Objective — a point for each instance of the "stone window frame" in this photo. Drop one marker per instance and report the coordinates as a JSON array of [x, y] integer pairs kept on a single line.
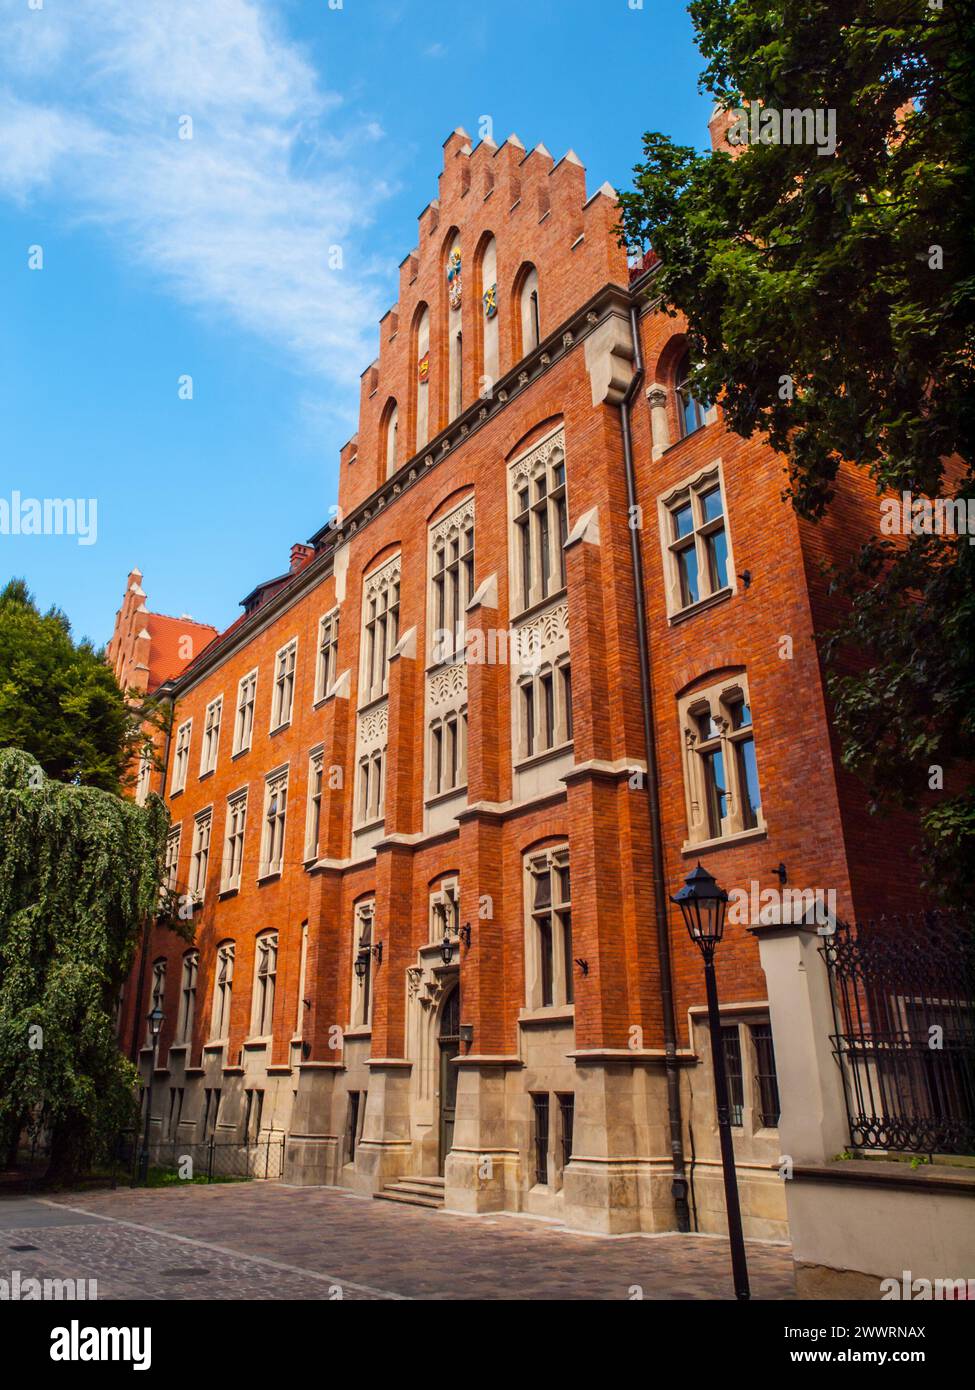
[[390, 438], [244, 712], [235, 830], [444, 912], [181, 756], [302, 982], [363, 993], [157, 992], [189, 978], [371, 788], [200, 853], [380, 620], [223, 987], [313, 811], [326, 653], [264, 987], [275, 785], [529, 308], [533, 701], [210, 743], [144, 775], [746, 1018], [283, 690], [722, 695], [447, 729], [690, 490], [171, 860], [551, 862], [451, 585], [538, 522]]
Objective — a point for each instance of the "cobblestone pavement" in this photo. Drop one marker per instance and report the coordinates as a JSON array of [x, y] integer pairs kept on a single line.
[[265, 1240]]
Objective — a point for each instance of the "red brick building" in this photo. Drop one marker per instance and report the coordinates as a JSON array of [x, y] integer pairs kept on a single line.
[[409, 788]]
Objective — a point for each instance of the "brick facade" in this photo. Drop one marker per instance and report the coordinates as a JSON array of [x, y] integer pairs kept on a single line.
[[599, 1039]]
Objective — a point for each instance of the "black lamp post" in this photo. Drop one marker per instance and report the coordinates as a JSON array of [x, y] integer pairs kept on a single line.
[[703, 905], [155, 1020]]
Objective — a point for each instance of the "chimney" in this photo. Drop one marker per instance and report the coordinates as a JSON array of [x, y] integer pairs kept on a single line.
[[300, 555]]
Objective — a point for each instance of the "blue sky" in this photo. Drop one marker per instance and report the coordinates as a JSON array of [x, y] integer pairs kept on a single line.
[[312, 127]]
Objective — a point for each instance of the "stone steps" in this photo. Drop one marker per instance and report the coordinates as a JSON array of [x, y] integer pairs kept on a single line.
[[414, 1192]]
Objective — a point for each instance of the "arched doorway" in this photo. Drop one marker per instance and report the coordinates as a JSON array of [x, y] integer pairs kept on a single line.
[[448, 1038]]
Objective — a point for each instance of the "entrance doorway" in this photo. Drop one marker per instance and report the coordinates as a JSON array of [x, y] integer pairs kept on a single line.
[[448, 1037]]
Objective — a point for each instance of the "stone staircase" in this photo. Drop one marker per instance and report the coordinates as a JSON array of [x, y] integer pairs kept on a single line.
[[414, 1192]]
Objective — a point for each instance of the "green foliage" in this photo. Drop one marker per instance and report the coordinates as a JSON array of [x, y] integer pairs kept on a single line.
[[820, 320], [58, 699], [79, 872]]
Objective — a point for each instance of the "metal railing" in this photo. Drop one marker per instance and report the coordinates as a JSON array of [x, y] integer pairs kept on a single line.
[[216, 1158], [903, 992]]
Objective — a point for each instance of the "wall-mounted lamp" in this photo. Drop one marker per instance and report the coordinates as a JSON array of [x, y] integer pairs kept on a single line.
[[781, 872], [362, 959], [583, 965], [464, 933], [746, 578], [466, 1032]]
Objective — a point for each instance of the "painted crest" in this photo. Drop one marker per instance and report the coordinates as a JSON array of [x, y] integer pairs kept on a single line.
[[490, 297], [423, 369], [453, 279]]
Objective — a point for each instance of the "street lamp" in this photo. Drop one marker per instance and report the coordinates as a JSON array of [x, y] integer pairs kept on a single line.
[[703, 905], [155, 1021]]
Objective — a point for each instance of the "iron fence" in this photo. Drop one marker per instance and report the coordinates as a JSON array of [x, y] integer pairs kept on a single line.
[[214, 1158], [903, 991]]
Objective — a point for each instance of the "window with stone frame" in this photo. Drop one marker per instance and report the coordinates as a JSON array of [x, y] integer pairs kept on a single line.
[[200, 853], [692, 412], [451, 581], [181, 756], [363, 931], [313, 820], [390, 433], [211, 736], [275, 816], [545, 709], [144, 778], [371, 790], [548, 947], [265, 979], [187, 997], [233, 850], [694, 537], [282, 697], [540, 523], [223, 984], [171, 862], [720, 769], [326, 667], [380, 624], [529, 311], [157, 994], [448, 752], [244, 719]]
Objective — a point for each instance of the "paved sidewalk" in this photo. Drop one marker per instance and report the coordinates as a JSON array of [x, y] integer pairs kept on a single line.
[[269, 1241]]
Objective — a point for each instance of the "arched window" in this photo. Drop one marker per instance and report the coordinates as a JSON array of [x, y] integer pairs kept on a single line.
[[223, 983], [187, 997], [422, 382], [455, 341], [489, 310], [531, 324], [390, 437], [265, 978], [691, 411]]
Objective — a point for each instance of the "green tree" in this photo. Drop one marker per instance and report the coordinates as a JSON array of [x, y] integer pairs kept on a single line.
[[58, 698], [79, 873], [829, 299]]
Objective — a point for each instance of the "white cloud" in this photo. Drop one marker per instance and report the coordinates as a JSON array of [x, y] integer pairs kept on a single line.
[[240, 218]]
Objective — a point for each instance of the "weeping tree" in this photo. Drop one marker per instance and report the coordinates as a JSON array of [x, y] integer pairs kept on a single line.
[[79, 873]]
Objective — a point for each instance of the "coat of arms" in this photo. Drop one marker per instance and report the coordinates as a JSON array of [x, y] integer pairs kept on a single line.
[[453, 279], [490, 297], [423, 369]]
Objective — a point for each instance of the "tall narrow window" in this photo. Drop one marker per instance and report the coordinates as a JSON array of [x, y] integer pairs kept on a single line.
[[316, 775], [200, 856], [157, 994], [380, 630], [233, 854], [421, 384], [284, 684], [766, 1079], [546, 709], [223, 982], [265, 977], [244, 719], [275, 813], [452, 581], [488, 310], [211, 1108], [143, 780], [549, 954], [328, 645], [531, 326], [541, 525], [187, 997], [731, 1042], [390, 434], [692, 410], [211, 736], [171, 864], [362, 959], [181, 756], [566, 1123], [540, 1136], [455, 343]]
